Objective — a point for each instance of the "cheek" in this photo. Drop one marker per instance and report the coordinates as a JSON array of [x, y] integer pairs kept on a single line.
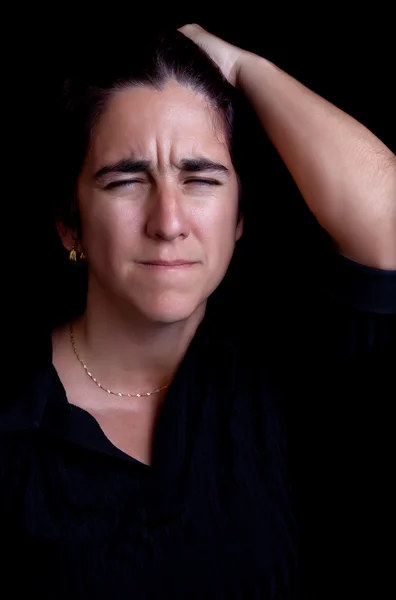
[[216, 229], [112, 226]]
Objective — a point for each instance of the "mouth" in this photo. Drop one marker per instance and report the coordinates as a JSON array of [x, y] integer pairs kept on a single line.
[[165, 264]]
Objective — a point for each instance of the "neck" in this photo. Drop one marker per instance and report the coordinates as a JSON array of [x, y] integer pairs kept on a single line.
[[127, 351]]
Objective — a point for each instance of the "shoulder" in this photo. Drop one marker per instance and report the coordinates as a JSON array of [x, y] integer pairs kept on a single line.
[[22, 411], [364, 288], [21, 408]]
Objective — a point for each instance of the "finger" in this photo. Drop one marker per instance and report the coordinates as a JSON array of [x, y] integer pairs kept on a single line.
[[192, 31]]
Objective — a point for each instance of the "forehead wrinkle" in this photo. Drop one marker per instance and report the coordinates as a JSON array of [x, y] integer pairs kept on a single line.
[[166, 142]]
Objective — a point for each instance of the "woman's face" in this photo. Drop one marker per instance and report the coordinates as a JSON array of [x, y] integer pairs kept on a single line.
[[158, 200]]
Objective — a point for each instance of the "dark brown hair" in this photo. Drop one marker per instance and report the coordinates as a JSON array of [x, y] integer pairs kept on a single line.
[[86, 90]]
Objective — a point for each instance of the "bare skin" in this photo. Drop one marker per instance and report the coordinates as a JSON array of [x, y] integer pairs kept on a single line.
[[129, 423], [346, 175], [140, 318]]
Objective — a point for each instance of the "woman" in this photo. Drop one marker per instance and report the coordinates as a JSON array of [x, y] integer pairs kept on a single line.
[[146, 455]]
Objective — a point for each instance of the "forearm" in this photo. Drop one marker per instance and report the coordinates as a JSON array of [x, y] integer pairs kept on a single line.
[[345, 173]]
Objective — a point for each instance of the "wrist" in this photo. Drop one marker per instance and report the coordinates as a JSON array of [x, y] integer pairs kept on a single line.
[[246, 64]]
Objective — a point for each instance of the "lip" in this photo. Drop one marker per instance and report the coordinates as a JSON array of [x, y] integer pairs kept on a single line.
[[167, 264]]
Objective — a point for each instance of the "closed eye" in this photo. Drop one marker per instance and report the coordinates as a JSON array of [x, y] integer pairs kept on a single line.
[[122, 183], [200, 181], [131, 182]]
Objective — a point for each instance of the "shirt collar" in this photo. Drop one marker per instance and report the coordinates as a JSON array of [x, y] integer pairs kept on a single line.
[[25, 410]]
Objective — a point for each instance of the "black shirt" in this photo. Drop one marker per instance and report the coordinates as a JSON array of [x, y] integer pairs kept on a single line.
[[269, 469]]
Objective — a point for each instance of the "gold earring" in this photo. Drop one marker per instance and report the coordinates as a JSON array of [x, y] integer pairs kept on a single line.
[[73, 254]]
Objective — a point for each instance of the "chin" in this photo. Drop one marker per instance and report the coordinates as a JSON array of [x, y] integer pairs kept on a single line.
[[171, 309]]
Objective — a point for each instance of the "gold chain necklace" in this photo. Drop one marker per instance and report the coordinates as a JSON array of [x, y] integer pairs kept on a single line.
[[99, 384]]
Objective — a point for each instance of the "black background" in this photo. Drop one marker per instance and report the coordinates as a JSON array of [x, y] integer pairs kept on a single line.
[[347, 58]]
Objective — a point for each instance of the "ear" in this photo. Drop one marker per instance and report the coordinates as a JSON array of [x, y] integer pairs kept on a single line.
[[68, 237], [239, 229]]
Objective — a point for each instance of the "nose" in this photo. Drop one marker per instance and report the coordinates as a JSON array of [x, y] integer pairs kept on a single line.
[[168, 217]]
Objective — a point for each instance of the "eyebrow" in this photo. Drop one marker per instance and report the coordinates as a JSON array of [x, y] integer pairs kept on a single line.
[[200, 163], [192, 165]]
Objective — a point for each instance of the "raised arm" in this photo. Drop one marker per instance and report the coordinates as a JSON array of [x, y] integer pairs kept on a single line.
[[345, 173]]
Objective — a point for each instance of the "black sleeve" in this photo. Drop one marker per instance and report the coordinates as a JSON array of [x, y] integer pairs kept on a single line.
[[323, 310], [355, 316], [341, 421], [358, 286]]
